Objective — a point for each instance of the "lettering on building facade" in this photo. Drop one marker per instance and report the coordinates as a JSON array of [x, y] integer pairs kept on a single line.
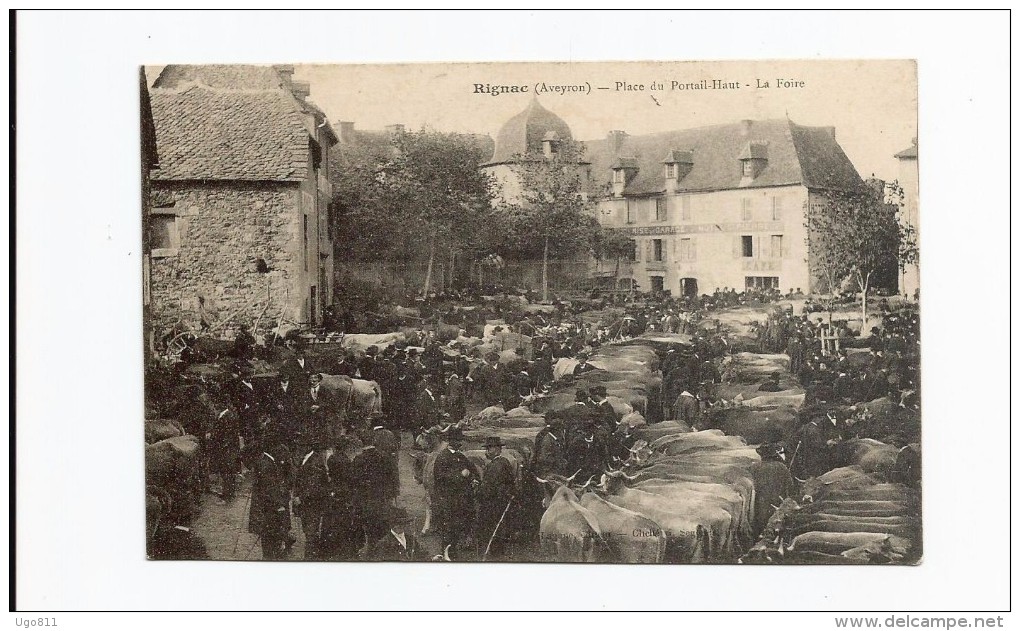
[[742, 226]]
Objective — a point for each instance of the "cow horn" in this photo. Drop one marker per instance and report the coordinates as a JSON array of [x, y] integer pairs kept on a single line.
[[446, 553], [629, 477], [541, 480], [571, 478]]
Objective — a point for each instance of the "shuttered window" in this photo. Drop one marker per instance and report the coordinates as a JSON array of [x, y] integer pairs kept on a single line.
[[747, 246], [777, 208], [686, 250], [745, 209], [685, 208], [660, 209], [777, 246]]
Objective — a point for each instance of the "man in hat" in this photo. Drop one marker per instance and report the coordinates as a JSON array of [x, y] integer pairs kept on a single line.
[[772, 385], [550, 447], [344, 365], [772, 484], [687, 408], [488, 380], [297, 368], [455, 398], [269, 512], [388, 444], [223, 443], [247, 400], [311, 493], [399, 544], [582, 365], [494, 496], [602, 408], [455, 480], [342, 533], [373, 489]]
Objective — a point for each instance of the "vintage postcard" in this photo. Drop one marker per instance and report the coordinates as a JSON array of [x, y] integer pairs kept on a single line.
[[638, 312]]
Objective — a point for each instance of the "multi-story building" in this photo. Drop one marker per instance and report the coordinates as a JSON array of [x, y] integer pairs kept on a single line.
[[720, 206], [711, 207], [910, 276], [239, 225]]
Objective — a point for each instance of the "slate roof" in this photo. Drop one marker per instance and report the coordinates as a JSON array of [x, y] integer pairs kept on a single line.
[[524, 133], [222, 76], [213, 134], [795, 155]]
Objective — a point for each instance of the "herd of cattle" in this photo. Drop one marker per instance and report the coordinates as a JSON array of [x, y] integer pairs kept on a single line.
[[684, 495]]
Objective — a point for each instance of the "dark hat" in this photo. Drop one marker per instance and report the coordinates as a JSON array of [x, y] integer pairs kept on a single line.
[[581, 394], [412, 352], [599, 391], [455, 433], [372, 350], [491, 356], [493, 441], [775, 374]]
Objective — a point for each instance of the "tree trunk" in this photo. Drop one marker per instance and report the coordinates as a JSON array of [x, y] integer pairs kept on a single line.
[[428, 270], [545, 271], [864, 303]]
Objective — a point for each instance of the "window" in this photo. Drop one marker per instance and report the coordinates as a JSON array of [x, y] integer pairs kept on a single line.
[[316, 150], [660, 209], [777, 208], [745, 209], [632, 255], [312, 315], [657, 249], [671, 170], [761, 282], [306, 243], [630, 217], [748, 168], [747, 246], [777, 246], [618, 176], [685, 208], [164, 232], [658, 283], [686, 250]]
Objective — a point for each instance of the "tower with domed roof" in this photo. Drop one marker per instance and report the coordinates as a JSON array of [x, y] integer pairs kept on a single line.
[[533, 134]]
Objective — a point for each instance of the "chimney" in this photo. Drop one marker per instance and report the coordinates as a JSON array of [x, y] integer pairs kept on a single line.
[[745, 127], [286, 72], [394, 130], [346, 129], [616, 138], [301, 89]]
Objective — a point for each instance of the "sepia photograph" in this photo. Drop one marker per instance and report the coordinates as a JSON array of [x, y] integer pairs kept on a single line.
[[606, 312]]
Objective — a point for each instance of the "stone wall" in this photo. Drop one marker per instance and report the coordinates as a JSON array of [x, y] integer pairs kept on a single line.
[[223, 228]]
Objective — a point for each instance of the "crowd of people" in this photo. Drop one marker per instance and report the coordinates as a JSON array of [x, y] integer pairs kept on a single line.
[[342, 480]]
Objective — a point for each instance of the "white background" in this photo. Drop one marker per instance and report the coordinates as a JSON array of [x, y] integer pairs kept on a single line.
[[79, 382]]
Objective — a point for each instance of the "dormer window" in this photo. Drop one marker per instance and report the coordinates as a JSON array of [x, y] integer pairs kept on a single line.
[[753, 160], [551, 144], [671, 170], [619, 177]]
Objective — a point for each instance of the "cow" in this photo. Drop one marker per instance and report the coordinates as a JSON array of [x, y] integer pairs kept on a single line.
[[631, 537], [569, 532], [173, 464], [353, 398]]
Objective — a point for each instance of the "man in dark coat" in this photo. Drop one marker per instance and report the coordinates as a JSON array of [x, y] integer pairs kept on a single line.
[[297, 368], [224, 445], [603, 409], [550, 449], [399, 544], [311, 493], [772, 484], [342, 534], [455, 480], [487, 380], [343, 365], [454, 401], [388, 444], [247, 399], [494, 496], [582, 365], [373, 490], [285, 411], [427, 407], [269, 513]]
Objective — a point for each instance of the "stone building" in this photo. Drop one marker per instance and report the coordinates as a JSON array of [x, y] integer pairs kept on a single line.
[[910, 277], [719, 206], [239, 226]]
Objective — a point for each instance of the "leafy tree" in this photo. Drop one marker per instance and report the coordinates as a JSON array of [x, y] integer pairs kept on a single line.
[[612, 244], [552, 215], [857, 235], [426, 190]]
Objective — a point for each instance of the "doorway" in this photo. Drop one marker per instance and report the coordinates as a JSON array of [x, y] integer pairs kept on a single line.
[[657, 283], [689, 287]]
